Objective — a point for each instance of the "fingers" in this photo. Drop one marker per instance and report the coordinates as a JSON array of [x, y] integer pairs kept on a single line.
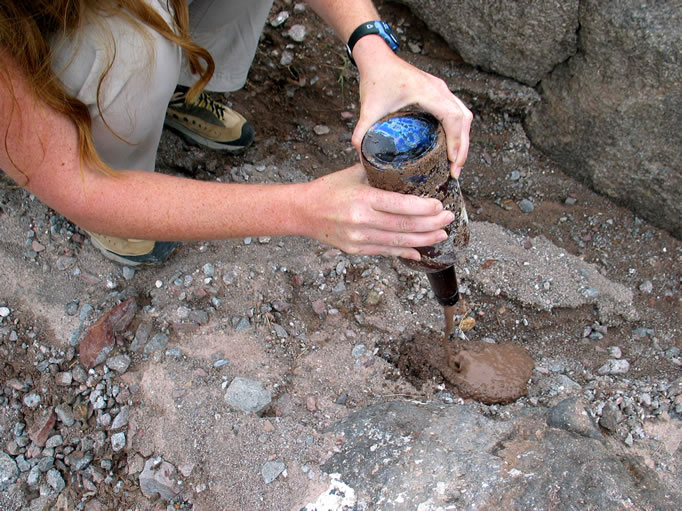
[[399, 204], [409, 223]]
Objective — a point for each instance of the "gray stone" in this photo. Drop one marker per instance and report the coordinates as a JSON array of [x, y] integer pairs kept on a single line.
[[119, 363], [55, 480], [248, 395], [243, 324], [430, 456], [156, 343], [614, 366], [32, 400], [65, 414], [157, 478], [79, 374], [45, 463], [121, 419], [33, 476], [526, 206], [570, 276], [610, 115], [8, 471], [142, 333], [54, 441], [271, 470], [128, 272], [297, 33], [359, 350], [64, 379], [571, 414], [524, 39], [610, 417], [118, 441]]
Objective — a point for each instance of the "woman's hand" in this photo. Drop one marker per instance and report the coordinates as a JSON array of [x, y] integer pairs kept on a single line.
[[344, 211], [388, 83]]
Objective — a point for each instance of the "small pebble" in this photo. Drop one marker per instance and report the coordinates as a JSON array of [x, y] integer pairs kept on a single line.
[[526, 206], [118, 441]]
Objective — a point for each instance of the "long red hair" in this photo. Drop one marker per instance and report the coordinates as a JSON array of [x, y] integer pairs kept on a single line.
[[26, 27]]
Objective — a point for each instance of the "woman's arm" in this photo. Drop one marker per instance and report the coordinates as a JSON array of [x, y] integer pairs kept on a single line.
[[38, 149], [388, 83]]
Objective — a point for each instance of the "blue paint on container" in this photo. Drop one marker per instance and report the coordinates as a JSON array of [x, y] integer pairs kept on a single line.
[[401, 139]]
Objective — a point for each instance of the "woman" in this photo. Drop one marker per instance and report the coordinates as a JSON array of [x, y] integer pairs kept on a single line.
[[85, 89]]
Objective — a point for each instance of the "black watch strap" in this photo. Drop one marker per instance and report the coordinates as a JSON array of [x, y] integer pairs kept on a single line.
[[378, 27]]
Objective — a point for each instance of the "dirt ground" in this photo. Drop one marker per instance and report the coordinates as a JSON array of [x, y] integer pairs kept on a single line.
[[307, 306]]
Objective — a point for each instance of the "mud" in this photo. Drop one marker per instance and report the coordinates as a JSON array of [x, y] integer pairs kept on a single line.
[[489, 373]]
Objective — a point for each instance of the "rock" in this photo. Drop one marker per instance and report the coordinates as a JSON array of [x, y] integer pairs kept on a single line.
[[614, 366], [65, 414], [271, 470], [8, 471], [526, 206], [33, 476], [32, 400], [54, 441], [297, 33], [280, 18], [55, 480], [359, 351], [142, 333], [63, 379], [157, 477], [499, 37], [118, 441], [319, 307], [42, 427], [157, 343], [321, 129], [119, 363], [99, 339], [610, 114], [430, 456], [571, 277], [571, 414], [248, 395], [79, 374], [121, 419], [610, 417], [338, 496], [4, 312]]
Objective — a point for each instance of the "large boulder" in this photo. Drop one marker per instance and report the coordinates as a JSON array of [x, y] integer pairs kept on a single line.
[[611, 114], [523, 39], [403, 456]]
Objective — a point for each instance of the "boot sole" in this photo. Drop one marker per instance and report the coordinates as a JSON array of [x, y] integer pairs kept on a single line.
[[202, 141]]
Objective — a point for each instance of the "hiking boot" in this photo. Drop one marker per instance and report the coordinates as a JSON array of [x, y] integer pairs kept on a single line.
[[132, 252], [208, 123]]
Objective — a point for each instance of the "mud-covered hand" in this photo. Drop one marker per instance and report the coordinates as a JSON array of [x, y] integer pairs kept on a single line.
[[345, 212], [388, 83]]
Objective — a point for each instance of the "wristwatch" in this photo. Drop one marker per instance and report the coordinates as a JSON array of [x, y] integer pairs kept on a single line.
[[378, 27]]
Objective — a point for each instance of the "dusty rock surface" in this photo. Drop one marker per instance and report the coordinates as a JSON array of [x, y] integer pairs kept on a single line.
[[328, 340]]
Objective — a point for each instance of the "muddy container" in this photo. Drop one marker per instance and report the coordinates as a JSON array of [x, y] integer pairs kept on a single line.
[[406, 152]]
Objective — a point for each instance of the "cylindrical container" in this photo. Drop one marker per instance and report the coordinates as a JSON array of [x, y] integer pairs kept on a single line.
[[406, 152]]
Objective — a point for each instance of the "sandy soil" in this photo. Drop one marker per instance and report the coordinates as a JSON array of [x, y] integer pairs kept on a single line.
[[307, 306]]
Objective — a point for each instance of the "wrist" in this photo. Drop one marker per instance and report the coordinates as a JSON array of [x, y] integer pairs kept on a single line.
[[371, 50], [378, 30]]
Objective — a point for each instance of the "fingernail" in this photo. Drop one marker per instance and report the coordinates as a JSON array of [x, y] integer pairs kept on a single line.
[[458, 171], [442, 236], [450, 217]]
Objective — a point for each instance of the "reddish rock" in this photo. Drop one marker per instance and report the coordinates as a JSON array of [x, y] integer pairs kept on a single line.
[[100, 338], [42, 428]]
